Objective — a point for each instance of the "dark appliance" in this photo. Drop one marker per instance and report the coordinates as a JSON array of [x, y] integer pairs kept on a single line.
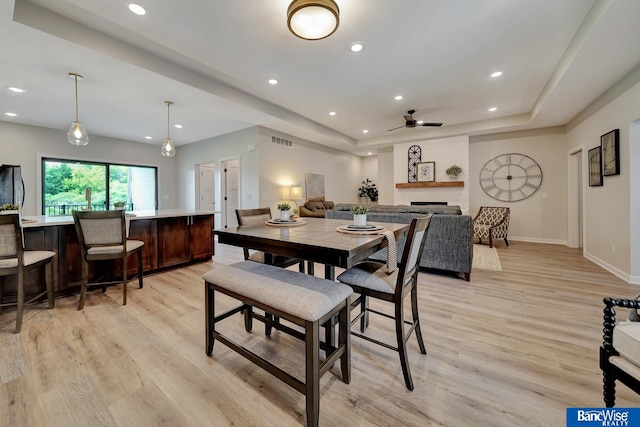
[[11, 185]]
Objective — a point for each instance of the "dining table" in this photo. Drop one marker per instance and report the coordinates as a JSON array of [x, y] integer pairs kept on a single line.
[[313, 240]]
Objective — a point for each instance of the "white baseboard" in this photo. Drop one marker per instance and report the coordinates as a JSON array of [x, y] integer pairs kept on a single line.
[[536, 240], [613, 270]]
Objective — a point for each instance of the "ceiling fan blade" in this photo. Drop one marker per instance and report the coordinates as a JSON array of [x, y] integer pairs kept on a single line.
[[395, 128], [431, 124], [408, 118]]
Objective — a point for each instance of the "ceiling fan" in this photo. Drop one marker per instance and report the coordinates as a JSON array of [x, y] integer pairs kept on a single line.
[[410, 122]]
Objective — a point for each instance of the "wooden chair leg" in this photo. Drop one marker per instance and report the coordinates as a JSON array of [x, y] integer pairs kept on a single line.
[[209, 311], [49, 279], [506, 241], [344, 338], [301, 266], [124, 280], [248, 318], [416, 319], [140, 269], [83, 286], [402, 346], [20, 301]]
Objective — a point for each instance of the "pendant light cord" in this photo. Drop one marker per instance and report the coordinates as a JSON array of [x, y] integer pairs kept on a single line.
[[76, 79], [168, 120]]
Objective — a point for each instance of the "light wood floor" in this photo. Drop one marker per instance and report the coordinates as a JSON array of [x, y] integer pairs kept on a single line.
[[509, 348]]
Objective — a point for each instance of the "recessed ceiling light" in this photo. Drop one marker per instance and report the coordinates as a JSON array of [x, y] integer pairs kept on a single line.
[[10, 114], [398, 97], [137, 9], [496, 74], [332, 113], [356, 46], [492, 109], [178, 126], [365, 131], [273, 82], [148, 137], [15, 89]]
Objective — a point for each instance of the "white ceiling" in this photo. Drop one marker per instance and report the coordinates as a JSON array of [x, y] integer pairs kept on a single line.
[[213, 59]]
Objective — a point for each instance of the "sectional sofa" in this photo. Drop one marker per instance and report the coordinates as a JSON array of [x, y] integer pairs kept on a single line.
[[449, 242]]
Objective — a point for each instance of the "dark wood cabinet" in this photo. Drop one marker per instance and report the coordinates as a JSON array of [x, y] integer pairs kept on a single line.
[[168, 243]]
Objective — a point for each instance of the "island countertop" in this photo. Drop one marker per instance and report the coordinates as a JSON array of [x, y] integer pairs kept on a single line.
[[46, 220]]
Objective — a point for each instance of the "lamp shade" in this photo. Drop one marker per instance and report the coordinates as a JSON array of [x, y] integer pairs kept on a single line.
[[313, 19], [296, 193]]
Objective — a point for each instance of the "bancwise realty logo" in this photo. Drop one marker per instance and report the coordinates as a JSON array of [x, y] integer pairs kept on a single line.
[[603, 417]]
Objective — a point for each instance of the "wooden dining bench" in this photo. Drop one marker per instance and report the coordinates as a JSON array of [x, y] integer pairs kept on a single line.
[[299, 298]]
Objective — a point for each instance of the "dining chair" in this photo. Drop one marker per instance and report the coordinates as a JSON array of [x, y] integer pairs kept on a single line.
[[370, 279], [14, 260], [103, 236], [256, 217]]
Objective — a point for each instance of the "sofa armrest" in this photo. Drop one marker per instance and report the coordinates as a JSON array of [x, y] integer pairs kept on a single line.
[[308, 212]]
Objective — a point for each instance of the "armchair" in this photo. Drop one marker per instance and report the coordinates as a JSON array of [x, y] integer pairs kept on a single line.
[[492, 222], [620, 350]]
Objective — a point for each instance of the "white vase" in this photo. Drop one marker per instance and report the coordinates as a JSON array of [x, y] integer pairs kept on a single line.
[[284, 215], [360, 220]]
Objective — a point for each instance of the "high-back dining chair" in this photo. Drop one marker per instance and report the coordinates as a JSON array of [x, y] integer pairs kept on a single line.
[[102, 236], [14, 260], [256, 217], [371, 279]]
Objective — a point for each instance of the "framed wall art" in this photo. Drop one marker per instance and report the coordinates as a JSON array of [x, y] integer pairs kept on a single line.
[[610, 143], [595, 167], [426, 171]]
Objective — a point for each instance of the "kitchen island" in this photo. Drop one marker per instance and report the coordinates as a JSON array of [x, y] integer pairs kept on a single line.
[[172, 238]]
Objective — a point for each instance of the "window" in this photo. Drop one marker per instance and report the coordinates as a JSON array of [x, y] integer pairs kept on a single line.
[[74, 185]]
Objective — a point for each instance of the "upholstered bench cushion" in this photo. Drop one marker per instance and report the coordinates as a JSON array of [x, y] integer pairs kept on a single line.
[[301, 295], [626, 340]]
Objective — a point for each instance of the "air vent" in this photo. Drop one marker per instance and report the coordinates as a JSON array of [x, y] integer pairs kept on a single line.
[[282, 141]]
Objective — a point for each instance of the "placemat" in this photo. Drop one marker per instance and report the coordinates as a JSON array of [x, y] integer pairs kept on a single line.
[[347, 229], [278, 223]]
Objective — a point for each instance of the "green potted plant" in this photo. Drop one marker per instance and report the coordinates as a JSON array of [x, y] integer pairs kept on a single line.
[[453, 171], [118, 205], [284, 209], [9, 208], [359, 215], [368, 190]]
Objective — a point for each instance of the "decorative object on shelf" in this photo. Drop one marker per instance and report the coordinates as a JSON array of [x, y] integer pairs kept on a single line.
[[313, 19], [510, 177], [118, 205], [415, 156], [453, 171], [368, 190], [610, 143], [284, 211], [9, 208], [77, 134], [359, 215], [595, 167], [168, 149], [426, 171]]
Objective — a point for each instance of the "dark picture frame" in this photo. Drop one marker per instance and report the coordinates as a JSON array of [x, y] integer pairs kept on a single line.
[[426, 172], [610, 143], [595, 167]]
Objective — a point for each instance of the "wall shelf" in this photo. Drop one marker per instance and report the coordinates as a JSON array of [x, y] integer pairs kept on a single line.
[[430, 184]]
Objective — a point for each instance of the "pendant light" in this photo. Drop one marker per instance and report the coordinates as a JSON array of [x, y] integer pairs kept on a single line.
[[168, 149], [77, 134]]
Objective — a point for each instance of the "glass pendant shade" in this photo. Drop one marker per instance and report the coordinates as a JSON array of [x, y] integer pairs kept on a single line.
[[168, 150], [77, 134]]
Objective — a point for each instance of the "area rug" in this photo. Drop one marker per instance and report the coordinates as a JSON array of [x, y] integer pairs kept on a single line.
[[486, 258]]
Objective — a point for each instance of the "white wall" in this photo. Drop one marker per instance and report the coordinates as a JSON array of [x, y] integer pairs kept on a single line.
[[607, 209], [386, 185], [22, 144], [536, 218], [280, 166], [444, 152]]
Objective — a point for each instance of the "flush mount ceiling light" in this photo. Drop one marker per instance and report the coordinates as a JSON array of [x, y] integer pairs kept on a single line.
[[168, 149], [313, 19], [77, 134]]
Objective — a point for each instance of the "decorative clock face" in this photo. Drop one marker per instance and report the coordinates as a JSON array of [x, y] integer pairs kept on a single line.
[[511, 177]]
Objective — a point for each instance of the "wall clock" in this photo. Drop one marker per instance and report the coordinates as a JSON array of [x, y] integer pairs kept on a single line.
[[510, 177]]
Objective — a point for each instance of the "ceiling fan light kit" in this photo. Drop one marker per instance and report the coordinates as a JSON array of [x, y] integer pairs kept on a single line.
[[410, 122], [313, 19], [77, 134]]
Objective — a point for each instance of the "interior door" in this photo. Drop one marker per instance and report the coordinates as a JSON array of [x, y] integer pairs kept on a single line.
[[207, 193]]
